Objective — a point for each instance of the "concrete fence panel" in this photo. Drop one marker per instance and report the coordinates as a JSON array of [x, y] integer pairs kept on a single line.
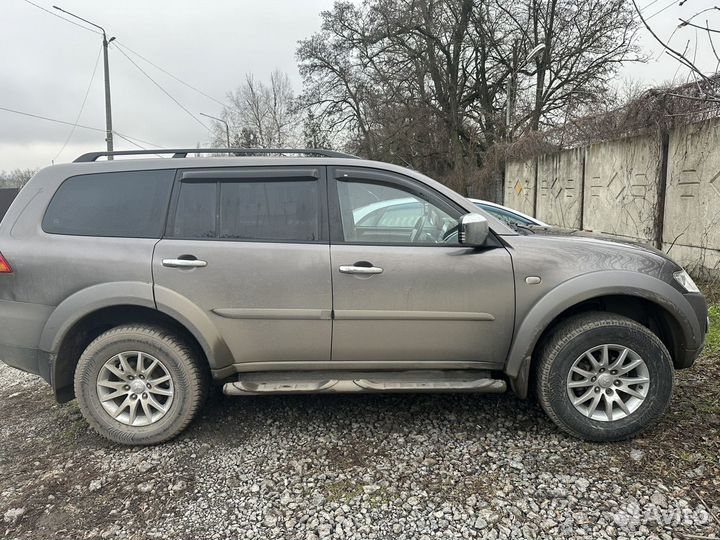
[[650, 188], [560, 184], [692, 201], [621, 187], [520, 185]]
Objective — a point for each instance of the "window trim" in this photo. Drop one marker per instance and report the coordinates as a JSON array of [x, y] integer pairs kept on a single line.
[[264, 174], [163, 224], [383, 178]]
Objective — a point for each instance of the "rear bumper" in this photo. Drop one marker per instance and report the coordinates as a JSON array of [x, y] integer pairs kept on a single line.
[[32, 361], [21, 324]]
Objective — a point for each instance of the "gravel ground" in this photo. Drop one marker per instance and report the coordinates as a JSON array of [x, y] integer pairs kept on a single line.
[[400, 466]]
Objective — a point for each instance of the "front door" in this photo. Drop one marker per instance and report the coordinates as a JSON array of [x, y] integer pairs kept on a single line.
[[405, 292], [249, 246]]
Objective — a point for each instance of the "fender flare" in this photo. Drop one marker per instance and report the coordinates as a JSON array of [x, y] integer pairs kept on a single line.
[[587, 287], [132, 293], [90, 299], [197, 321]]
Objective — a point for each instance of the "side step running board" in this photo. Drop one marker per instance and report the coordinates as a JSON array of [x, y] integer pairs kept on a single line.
[[343, 382]]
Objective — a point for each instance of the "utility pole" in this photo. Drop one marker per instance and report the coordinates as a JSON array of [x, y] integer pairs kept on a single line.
[[108, 107], [227, 127]]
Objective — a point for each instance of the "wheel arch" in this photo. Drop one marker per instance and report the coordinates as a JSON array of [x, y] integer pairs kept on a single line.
[[645, 299], [82, 317]]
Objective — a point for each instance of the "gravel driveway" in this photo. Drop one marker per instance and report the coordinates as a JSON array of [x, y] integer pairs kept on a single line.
[[401, 466]]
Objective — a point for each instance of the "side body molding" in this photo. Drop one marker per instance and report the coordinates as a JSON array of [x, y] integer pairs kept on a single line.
[[593, 285]]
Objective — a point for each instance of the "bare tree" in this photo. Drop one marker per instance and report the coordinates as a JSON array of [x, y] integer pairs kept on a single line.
[[16, 178], [705, 25], [424, 82], [262, 115], [337, 87], [584, 43], [315, 135]]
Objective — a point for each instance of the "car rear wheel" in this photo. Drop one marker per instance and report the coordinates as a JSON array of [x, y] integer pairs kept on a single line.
[[139, 385], [604, 377]]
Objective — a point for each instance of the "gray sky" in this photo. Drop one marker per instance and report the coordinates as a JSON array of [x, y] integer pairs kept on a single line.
[[46, 66]]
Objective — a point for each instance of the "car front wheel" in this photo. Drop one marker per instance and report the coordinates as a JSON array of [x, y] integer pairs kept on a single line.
[[604, 377]]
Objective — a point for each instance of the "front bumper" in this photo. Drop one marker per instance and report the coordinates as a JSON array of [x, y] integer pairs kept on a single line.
[[687, 354]]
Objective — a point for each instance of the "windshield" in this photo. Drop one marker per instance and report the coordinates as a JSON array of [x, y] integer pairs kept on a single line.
[[507, 216]]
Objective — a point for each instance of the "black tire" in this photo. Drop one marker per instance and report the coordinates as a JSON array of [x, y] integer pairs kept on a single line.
[[569, 341], [189, 379]]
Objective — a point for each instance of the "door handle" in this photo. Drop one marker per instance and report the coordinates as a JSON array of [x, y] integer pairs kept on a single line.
[[367, 270], [184, 263]]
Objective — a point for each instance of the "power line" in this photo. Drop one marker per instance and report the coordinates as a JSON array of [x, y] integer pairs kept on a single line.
[[75, 124], [61, 17], [126, 137], [671, 4], [82, 106], [139, 146], [156, 66], [178, 79], [649, 5], [130, 141], [164, 91], [81, 126], [49, 119]]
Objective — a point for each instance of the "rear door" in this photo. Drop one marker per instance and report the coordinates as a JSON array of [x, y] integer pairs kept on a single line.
[[404, 291], [249, 246]]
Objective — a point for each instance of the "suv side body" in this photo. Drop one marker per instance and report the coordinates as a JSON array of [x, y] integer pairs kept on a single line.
[[263, 304]]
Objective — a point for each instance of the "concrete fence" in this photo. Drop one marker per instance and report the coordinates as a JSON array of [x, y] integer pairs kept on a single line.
[[663, 190]]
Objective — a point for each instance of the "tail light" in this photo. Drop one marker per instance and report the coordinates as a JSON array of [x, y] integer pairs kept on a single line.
[[5, 267]]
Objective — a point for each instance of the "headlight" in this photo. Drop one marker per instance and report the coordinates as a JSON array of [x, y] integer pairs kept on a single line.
[[684, 279]]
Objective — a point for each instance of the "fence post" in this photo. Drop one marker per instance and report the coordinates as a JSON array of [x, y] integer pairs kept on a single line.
[[659, 225], [536, 188], [583, 181]]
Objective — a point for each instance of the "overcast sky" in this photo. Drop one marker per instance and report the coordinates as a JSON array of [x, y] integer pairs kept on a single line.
[[46, 66]]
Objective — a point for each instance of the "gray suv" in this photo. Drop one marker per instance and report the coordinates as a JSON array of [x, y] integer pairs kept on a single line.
[[134, 285]]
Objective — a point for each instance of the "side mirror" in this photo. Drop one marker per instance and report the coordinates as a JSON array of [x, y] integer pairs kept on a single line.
[[473, 230]]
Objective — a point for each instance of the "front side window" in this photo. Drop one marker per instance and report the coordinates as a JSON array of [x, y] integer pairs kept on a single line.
[[374, 213], [129, 204], [252, 210]]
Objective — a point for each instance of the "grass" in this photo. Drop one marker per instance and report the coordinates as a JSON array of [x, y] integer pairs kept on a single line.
[[709, 406], [343, 491], [712, 341]]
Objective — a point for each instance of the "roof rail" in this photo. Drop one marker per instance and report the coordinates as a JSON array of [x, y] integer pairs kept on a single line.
[[183, 152]]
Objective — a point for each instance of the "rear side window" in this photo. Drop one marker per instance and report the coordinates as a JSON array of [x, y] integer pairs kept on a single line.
[[196, 211], [118, 204], [252, 210]]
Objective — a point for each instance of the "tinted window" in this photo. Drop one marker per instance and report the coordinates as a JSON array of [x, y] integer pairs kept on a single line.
[[249, 210], [269, 210], [196, 211], [125, 204]]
